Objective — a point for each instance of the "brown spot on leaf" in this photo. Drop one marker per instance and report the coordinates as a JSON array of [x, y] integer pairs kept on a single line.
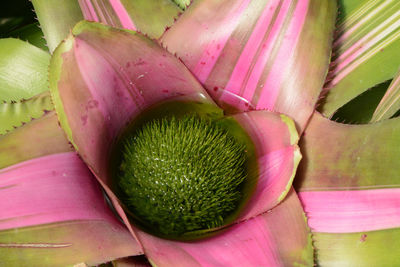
[[84, 119], [92, 104], [363, 238]]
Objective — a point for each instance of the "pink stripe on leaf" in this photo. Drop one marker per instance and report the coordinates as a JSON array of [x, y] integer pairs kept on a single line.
[[352, 211]]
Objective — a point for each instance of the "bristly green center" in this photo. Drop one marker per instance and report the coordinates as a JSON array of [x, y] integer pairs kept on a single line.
[[182, 175]]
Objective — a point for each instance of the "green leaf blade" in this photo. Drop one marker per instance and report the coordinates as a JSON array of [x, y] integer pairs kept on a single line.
[[23, 70], [56, 19], [14, 114]]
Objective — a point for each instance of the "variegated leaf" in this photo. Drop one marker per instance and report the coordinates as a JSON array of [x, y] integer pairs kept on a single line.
[[349, 186], [54, 214], [257, 54], [149, 17], [365, 52], [390, 102]]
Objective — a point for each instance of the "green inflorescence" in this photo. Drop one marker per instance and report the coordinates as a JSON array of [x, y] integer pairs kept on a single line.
[[182, 175]]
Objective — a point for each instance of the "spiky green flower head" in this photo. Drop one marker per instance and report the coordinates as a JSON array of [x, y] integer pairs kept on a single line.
[[182, 174]]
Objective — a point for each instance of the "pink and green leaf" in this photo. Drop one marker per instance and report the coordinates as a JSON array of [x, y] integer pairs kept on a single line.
[[97, 94], [359, 156], [14, 114], [40, 137], [149, 17], [350, 211], [277, 238], [64, 220], [275, 140], [366, 52], [97, 89], [390, 103], [350, 192], [257, 54], [56, 19], [23, 70]]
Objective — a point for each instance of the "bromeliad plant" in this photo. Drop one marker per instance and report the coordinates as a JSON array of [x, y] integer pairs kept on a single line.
[[188, 131]]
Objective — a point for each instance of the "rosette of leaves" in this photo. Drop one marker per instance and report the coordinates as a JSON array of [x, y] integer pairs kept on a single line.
[[232, 84]]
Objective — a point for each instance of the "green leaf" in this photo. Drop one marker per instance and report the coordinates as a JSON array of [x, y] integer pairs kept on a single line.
[[151, 18], [31, 33], [37, 138], [366, 52], [14, 114], [347, 157], [390, 102], [57, 19], [347, 7], [182, 3], [367, 249], [23, 70], [360, 109]]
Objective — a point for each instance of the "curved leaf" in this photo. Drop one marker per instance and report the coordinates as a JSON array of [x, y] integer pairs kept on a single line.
[[37, 138], [367, 41], [31, 33], [62, 220], [14, 114], [349, 186], [275, 139], [97, 89], [23, 70], [342, 157], [276, 238], [101, 78], [360, 109], [149, 17], [257, 54], [390, 102], [56, 19]]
